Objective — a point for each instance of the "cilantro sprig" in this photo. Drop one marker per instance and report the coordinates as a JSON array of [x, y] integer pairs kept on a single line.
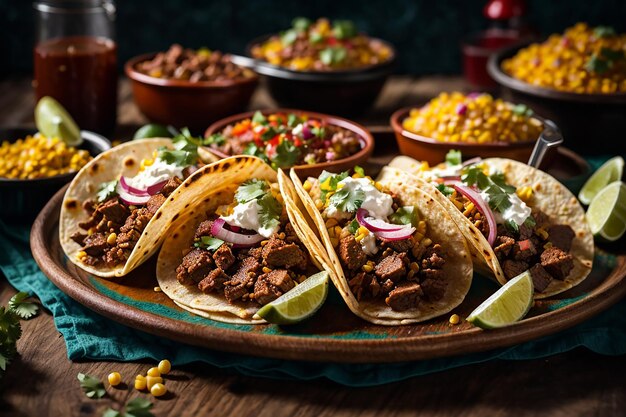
[[405, 215], [270, 208], [137, 407], [209, 243], [91, 386], [445, 190], [347, 200], [251, 190], [454, 157], [494, 185], [333, 55], [331, 185], [287, 153], [106, 190], [10, 327]]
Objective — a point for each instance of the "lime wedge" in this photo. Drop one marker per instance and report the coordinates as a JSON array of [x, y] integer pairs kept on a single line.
[[609, 172], [299, 303], [607, 212], [507, 305], [53, 121], [152, 131]]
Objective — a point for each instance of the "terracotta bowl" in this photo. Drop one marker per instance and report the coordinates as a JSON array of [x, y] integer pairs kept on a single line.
[[433, 151], [590, 123], [186, 104], [23, 199], [314, 170], [346, 92]]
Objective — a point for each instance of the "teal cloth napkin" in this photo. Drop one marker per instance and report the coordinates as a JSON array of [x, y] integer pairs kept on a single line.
[[89, 336]]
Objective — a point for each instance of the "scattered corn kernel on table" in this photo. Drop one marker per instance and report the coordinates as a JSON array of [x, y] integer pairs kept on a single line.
[[42, 381]]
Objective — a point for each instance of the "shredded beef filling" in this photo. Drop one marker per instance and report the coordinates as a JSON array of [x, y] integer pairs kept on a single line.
[[113, 228], [259, 274], [542, 249]]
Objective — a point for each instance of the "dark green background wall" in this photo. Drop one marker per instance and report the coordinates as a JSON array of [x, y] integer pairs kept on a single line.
[[427, 33]]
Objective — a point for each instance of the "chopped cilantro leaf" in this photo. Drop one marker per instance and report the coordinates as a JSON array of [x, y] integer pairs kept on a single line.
[[473, 175], [293, 120], [259, 118], [598, 65], [269, 134], [287, 153], [315, 37], [453, 157], [215, 138], [603, 31], [445, 190], [251, 190], [21, 307], [180, 158], [494, 185], [107, 190], [530, 221], [353, 226], [333, 55], [331, 185], [139, 407], [359, 170], [512, 226], [522, 110], [270, 211], [405, 215], [301, 24], [347, 200], [92, 387], [344, 29], [319, 132], [252, 149], [209, 243], [500, 181], [498, 199], [288, 37]]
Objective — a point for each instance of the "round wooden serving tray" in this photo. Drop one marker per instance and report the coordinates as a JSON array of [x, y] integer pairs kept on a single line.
[[333, 334]]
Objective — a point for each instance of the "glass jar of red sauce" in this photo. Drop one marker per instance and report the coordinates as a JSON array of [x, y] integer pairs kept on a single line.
[[76, 59]]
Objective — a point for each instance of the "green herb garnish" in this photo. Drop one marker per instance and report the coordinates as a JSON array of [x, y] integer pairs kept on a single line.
[[106, 191], [137, 407], [353, 227], [333, 55], [185, 150], [252, 149], [10, 327], [522, 110], [315, 37], [288, 37], [215, 139], [21, 307], [318, 132], [603, 31], [405, 215], [612, 54], [359, 170], [453, 157], [269, 134], [209, 243], [92, 387], [512, 226], [251, 190], [287, 153], [332, 182], [344, 29], [494, 185], [347, 200], [269, 214], [530, 221], [259, 118], [301, 24], [445, 190], [598, 65], [293, 120]]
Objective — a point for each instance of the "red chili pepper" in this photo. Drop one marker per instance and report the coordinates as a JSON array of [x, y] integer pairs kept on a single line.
[[297, 141], [274, 141], [331, 41], [524, 244]]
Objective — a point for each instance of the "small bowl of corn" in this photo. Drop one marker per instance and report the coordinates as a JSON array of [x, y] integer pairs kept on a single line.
[[34, 167], [577, 79], [477, 124]]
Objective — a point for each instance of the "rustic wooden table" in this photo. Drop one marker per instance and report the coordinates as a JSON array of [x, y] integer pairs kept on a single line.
[[42, 381]]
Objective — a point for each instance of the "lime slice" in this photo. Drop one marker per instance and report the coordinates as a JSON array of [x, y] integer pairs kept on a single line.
[[507, 305], [53, 121], [152, 131], [607, 212], [299, 303], [609, 172]]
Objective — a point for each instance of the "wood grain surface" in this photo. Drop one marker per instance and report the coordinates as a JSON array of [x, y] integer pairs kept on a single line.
[[42, 381]]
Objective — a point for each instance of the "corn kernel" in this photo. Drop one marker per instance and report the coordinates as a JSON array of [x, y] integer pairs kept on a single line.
[[367, 268], [158, 390], [267, 270], [151, 380], [307, 185], [140, 382], [114, 378], [165, 367], [111, 238], [154, 372], [157, 289], [455, 319], [318, 204]]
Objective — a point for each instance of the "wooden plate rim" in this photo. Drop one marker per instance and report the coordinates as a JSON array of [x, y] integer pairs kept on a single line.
[[407, 348]]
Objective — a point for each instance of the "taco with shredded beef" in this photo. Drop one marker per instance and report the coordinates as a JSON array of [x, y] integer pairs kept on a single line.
[[116, 210], [237, 245], [396, 255], [514, 217]]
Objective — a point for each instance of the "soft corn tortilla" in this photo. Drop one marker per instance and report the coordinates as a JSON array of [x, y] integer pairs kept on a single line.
[[441, 229], [549, 196], [216, 185], [124, 160]]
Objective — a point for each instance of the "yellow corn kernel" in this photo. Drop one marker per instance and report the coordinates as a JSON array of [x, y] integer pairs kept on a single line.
[[363, 231], [154, 372], [81, 254], [424, 166], [140, 382], [338, 231], [157, 289], [359, 237], [367, 268], [455, 319], [145, 163], [282, 235], [331, 232], [165, 367], [264, 242], [414, 266], [427, 242], [158, 389], [468, 209], [111, 238], [334, 241], [307, 185], [151, 380], [378, 186], [267, 270], [525, 193], [542, 233], [114, 378], [318, 204], [330, 223], [458, 204]]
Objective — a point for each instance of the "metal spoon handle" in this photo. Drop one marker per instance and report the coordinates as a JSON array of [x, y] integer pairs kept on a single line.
[[549, 137]]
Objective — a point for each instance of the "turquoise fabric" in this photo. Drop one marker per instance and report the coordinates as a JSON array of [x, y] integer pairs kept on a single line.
[[89, 336]]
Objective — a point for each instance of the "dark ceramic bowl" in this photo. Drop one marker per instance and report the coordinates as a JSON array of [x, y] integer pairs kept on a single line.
[[433, 151], [187, 104], [314, 170], [345, 92], [21, 200], [590, 123]]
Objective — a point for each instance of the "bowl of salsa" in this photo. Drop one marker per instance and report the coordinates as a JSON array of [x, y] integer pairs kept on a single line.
[[285, 138]]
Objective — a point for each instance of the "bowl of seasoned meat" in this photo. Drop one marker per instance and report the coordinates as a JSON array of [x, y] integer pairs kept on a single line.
[[323, 66], [185, 87], [284, 138]]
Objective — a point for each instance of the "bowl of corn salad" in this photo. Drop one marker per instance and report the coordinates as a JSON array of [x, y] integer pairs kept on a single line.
[[577, 79], [323, 65], [477, 124], [34, 167]]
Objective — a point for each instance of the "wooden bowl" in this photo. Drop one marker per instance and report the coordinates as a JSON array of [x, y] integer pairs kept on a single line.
[[346, 92], [187, 104], [313, 170], [590, 123], [433, 151], [23, 199]]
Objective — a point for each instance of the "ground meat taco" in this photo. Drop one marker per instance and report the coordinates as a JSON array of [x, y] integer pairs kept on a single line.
[[396, 255], [117, 209], [237, 247], [515, 218]]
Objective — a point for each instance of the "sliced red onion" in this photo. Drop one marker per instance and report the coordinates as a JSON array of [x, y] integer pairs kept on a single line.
[[402, 234], [237, 239], [131, 199], [461, 109], [482, 207], [449, 178], [472, 161], [375, 225], [130, 189], [155, 188]]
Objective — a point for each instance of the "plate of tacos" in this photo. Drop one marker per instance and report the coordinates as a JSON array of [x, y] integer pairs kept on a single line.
[[154, 236]]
